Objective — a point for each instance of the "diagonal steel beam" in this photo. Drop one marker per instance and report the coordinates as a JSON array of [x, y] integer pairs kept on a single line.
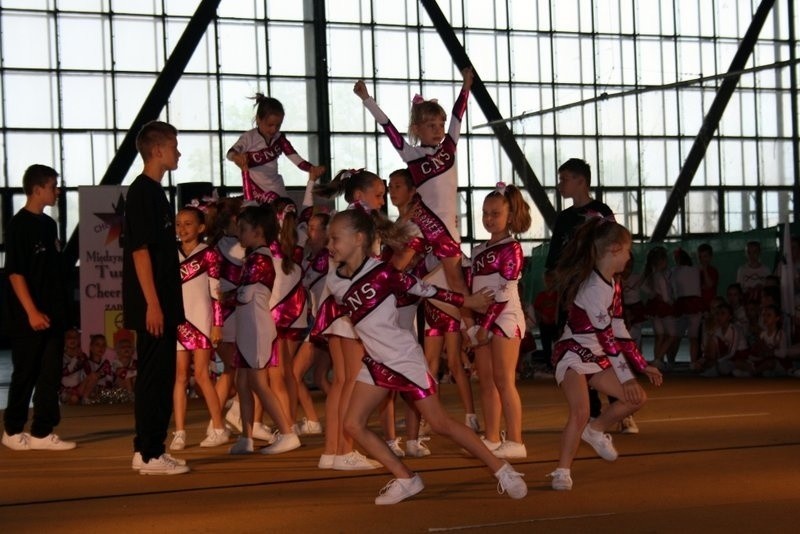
[[154, 103], [489, 108], [710, 123]]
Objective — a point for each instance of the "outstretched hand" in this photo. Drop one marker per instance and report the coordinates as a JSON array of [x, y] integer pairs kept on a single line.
[[654, 375], [360, 89], [469, 76]]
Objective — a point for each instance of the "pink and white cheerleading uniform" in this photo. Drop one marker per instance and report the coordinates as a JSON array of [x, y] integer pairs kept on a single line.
[[255, 328], [230, 254], [595, 335], [103, 370], [393, 358], [262, 160], [315, 270], [407, 304], [200, 285], [498, 266], [435, 175], [289, 301], [440, 318]]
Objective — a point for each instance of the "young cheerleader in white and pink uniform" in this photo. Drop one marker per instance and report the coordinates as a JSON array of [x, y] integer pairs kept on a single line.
[[367, 289]]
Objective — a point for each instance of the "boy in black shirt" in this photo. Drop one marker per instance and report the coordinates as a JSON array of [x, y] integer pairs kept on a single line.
[[151, 296], [37, 303]]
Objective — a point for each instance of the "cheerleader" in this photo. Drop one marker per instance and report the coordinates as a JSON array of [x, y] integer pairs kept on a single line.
[[256, 332], [366, 289], [593, 340], [497, 265], [660, 302], [687, 285], [72, 365], [256, 152], [202, 329]]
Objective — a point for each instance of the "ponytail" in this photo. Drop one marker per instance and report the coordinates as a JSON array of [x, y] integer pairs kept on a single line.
[[347, 182]]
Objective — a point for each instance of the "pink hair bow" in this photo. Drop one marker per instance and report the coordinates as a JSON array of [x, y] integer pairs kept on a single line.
[[501, 188], [419, 100]]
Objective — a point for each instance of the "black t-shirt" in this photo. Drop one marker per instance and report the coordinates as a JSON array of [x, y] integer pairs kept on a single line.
[[567, 223], [150, 222], [34, 252]]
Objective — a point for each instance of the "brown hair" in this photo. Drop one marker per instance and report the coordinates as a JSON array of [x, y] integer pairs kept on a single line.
[[153, 134], [347, 182], [519, 212]]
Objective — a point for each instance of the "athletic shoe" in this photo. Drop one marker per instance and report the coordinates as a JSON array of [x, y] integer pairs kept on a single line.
[[510, 481], [178, 440], [394, 445], [416, 448], [262, 432], [353, 461], [310, 428], [491, 445], [399, 489], [163, 465], [629, 426], [242, 446], [234, 417], [560, 479], [471, 420], [217, 437], [424, 428], [138, 462], [17, 442], [600, 442], [326, 461], [511, 449], [50, 442], [282, 443]]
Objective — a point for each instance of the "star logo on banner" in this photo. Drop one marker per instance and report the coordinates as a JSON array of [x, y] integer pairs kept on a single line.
[[114, 220]]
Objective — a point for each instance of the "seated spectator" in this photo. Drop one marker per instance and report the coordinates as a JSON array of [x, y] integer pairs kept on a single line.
[[709, 275], [125, 365], [735, 299], [762, 359], [724, 345], [72, 368], [98, 375]]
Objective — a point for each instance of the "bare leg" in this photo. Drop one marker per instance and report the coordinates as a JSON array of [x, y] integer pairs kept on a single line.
[[504, 354], [226, 351], [352, 352], [301, 364], [453, 348], [332, 420], [179, 390], [490, 397], [202, 358]]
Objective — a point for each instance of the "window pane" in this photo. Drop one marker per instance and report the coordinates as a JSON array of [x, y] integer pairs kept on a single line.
[[653, 201], [702, 211], [193, 104], [776, 162], [613, 169], [136, 6], [293, 59], [148, 54], [625, 206], [131, 91], [396, 53], [83, 112], [436, 61], [34, 98], [24, 149], [348, 10], [297, 97], [199, 159], [740, 211], [28, 41], [204, 58], [235, 37], [78, 52], [357, 62], [778, 207], [395, 13], [238, 113]]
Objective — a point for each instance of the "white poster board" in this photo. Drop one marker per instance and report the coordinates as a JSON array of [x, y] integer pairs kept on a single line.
[[102, 210]]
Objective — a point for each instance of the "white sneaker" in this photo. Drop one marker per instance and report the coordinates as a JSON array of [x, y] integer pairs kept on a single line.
[[600, 442], [511, 449], [217, 437], [178, 440], [399, 489], [234, 417], [262, 432], [163, 465], [138, 462], [560, 479], [416, 448], [491, 445], [510, 481], [282, 443], [326, 461], [353, 461], [394, 445], [629, 426], [310, 428], [242, 446], [17, 442], [471, 420], [50, 442]]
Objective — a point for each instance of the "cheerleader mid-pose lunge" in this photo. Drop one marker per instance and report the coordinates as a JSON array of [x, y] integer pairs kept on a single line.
[[595, 346], [367, 289], [202, 330]]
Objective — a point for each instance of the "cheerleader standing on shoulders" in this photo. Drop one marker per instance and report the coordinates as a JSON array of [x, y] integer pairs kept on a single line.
[[202, 330], [497, 265], [257, 151], [256, 333], [366, 289], [595, 347]]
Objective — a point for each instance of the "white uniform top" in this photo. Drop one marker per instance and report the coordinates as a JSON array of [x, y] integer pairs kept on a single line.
[[255, 328], [315, 269], [752, 277], [659, 286], [499, 267], [630, 289], [370, 296], [200, 286], [286, 288], [231, 254], [262, 156], [686, 281]]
